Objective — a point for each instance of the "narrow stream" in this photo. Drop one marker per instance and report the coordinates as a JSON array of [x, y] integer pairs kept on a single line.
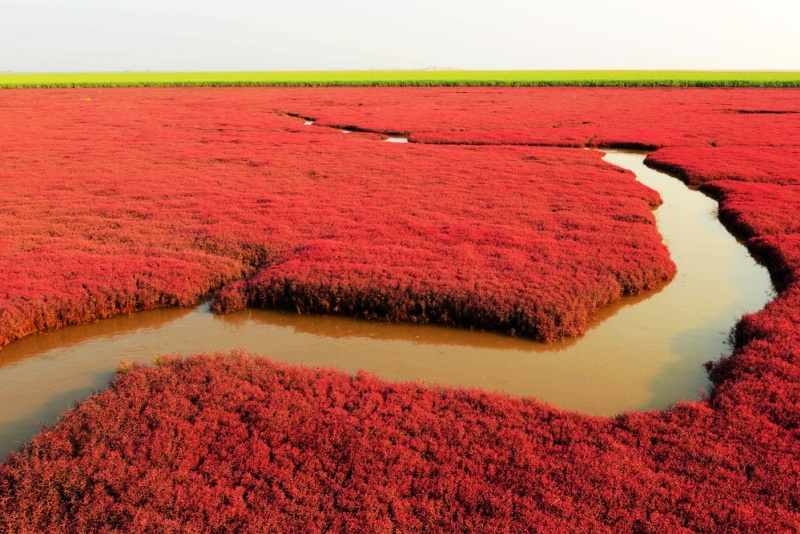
[[389, 139], [642, 353]]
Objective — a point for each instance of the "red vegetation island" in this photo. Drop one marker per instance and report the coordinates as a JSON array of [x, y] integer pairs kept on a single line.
[[126, 199]]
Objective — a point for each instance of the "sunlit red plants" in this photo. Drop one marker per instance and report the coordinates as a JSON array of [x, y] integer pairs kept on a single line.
[[698, 165], [143, 198], [236, 443], [214, 184], [602, 116]]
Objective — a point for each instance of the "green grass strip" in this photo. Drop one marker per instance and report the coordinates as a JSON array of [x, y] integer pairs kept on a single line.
[[423, 78]]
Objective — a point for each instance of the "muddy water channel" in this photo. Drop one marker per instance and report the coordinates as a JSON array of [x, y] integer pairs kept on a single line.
[[645, 352]]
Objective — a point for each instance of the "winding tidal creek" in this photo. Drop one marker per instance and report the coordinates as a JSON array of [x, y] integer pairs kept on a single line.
[[645, 352]]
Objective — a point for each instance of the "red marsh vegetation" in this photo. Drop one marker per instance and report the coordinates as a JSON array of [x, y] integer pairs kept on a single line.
[[136, 200], [642, 118], [699, 165], [151, 197], [237, 443]]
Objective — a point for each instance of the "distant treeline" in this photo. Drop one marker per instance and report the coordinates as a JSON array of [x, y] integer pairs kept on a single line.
[[421, 78]]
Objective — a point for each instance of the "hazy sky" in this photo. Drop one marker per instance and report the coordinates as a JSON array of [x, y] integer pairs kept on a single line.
[[120, 35]]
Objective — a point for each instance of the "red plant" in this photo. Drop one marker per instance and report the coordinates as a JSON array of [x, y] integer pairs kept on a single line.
[[697, 165], [757, 209], [238, 443], [135, 200], [603, 116], [230, 442]]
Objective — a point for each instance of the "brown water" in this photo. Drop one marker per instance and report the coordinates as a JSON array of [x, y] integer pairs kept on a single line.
[[645, 352]]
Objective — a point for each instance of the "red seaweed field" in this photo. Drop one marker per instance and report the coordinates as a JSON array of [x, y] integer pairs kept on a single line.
[[494, 216]]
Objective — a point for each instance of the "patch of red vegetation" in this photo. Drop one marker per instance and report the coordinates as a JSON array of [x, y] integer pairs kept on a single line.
[[436, 245], [237, 443], [757, 209], [644, 118], [698, 165], [142, 198], [759, 198], [55, 286], [562, 137], [759, 194], [234, 443]]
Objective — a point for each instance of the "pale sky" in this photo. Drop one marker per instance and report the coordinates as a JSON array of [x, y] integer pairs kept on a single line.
[[206, 35]]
